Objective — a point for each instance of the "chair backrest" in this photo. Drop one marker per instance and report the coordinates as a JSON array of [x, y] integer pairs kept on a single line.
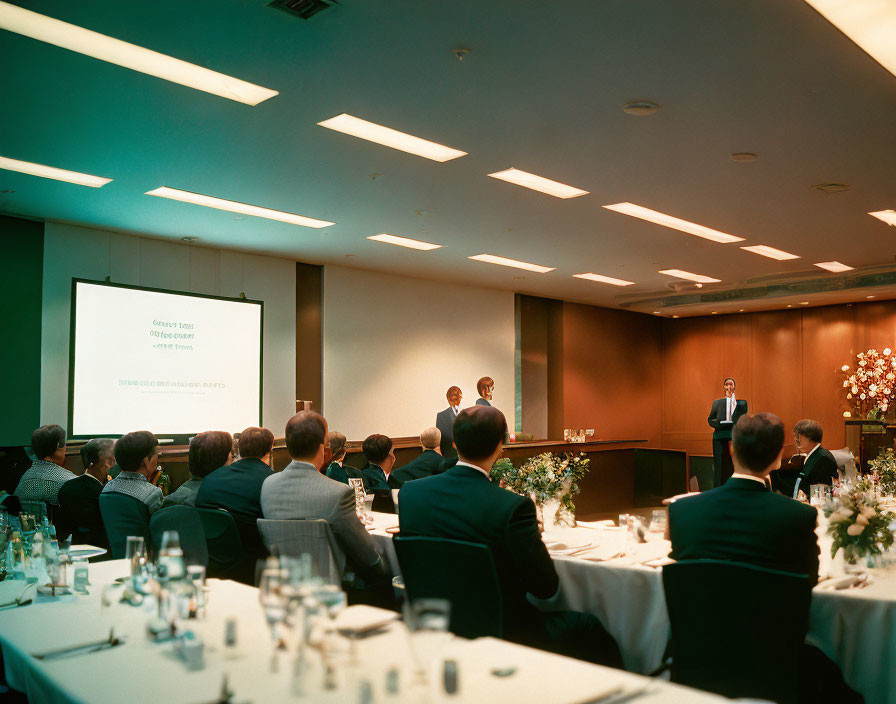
[[749, 648], [461, 572], [222, 540], [36, 508], [185, 520], [382, 501], [81, 517], [123, 515], [294, 538]]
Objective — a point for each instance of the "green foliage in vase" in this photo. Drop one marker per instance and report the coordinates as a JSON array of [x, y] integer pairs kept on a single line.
[[545, 476], [885, 466], [858, 525]]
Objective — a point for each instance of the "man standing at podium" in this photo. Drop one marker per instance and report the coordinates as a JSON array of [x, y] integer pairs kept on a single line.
[[724, 413]]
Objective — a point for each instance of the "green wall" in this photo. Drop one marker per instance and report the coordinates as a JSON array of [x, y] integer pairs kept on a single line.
[[21, 281]]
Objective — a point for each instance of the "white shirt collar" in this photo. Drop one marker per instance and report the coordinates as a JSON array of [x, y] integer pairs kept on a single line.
[[751, 477], [473, 466], [455, 409], [810, 453]]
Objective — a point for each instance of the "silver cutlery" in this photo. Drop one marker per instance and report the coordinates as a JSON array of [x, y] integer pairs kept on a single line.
[[19, 600], [82, 649]]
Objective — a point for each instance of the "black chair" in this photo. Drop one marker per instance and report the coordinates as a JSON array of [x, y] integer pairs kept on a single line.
[[382, 501], [461, 572], [185, 520], [123, 516], [226, 558], [752, 647], [12, 504], [80, 515]]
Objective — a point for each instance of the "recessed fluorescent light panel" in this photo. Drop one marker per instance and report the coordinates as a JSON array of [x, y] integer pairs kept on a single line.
[[699, 278], [869, 23], [235, 207], [770, 252], [26, 167], [404, 242], [372, 132], [515, 263], [604, 279], [538, 183], [887, 216], [638, 211], [99, 46], [836, 267]]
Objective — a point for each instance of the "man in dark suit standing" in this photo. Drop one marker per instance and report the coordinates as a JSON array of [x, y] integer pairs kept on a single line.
[[723, 415], [427, 464], [445, 420], [463, 504], [380, 458], [743, 520], [819, 466]]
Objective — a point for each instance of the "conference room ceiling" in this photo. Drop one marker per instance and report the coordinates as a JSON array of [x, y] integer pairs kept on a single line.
[[541, 88]]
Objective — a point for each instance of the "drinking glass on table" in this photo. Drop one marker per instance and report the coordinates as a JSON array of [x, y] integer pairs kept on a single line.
[[196, 575], [427, 621], [658, 521], [135, 554], [357, 485], [171, 557], [273, 603]]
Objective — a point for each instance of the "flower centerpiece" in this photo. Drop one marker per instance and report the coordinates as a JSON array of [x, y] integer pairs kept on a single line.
[[547, 478], [859, 526], [884, 468], [871, 388]]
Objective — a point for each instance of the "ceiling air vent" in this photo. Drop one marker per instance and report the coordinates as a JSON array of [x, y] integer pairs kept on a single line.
[[831, 187], [306, 9]]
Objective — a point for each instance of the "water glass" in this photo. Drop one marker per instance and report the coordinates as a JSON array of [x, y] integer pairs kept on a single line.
[[357, 485], [80, 580], [196, 575], [135, 554], [273, 603], [427, 621], [658, 521], [171, 557]]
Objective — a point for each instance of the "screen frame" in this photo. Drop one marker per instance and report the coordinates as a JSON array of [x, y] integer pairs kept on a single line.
[[150, 289]]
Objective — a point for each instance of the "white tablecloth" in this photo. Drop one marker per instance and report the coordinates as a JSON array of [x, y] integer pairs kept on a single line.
[[143, 671], [856, 628]]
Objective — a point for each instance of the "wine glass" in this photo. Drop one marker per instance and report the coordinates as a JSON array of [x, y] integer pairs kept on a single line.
[[273, 603], [135, 554], [427, 621]]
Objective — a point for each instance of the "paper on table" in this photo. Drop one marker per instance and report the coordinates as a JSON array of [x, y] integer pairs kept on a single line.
[[361, 618], [608, 523]]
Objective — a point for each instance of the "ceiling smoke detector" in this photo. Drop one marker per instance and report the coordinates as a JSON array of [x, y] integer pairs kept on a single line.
[[189, 238], [744, 156], [640, 108], [831, 187]]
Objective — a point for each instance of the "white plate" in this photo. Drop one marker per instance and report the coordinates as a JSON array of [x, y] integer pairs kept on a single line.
[[362, 618], [87, 551]]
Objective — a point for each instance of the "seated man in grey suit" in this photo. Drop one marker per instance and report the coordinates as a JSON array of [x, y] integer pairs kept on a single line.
[[300, 491], [427, 464]]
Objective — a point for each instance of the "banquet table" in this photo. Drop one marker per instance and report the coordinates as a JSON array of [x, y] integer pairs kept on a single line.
[[855, 627], [143, 670]]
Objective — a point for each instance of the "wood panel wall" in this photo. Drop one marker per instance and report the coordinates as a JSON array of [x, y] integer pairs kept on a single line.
[[785, 362]]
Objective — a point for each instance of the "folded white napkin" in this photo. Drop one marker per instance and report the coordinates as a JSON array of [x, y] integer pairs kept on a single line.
[[361, 618]]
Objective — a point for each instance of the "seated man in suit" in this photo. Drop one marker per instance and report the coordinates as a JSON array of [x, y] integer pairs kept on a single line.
[[79, 498], [301, 492], [338, 469], [138, 456], [208, 451], [819, 465], [380, 458], [745, 522], [46, 475], [427, 464], [463, 504], [236, 487], [445, 420], [486, 388], [742, 520]]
